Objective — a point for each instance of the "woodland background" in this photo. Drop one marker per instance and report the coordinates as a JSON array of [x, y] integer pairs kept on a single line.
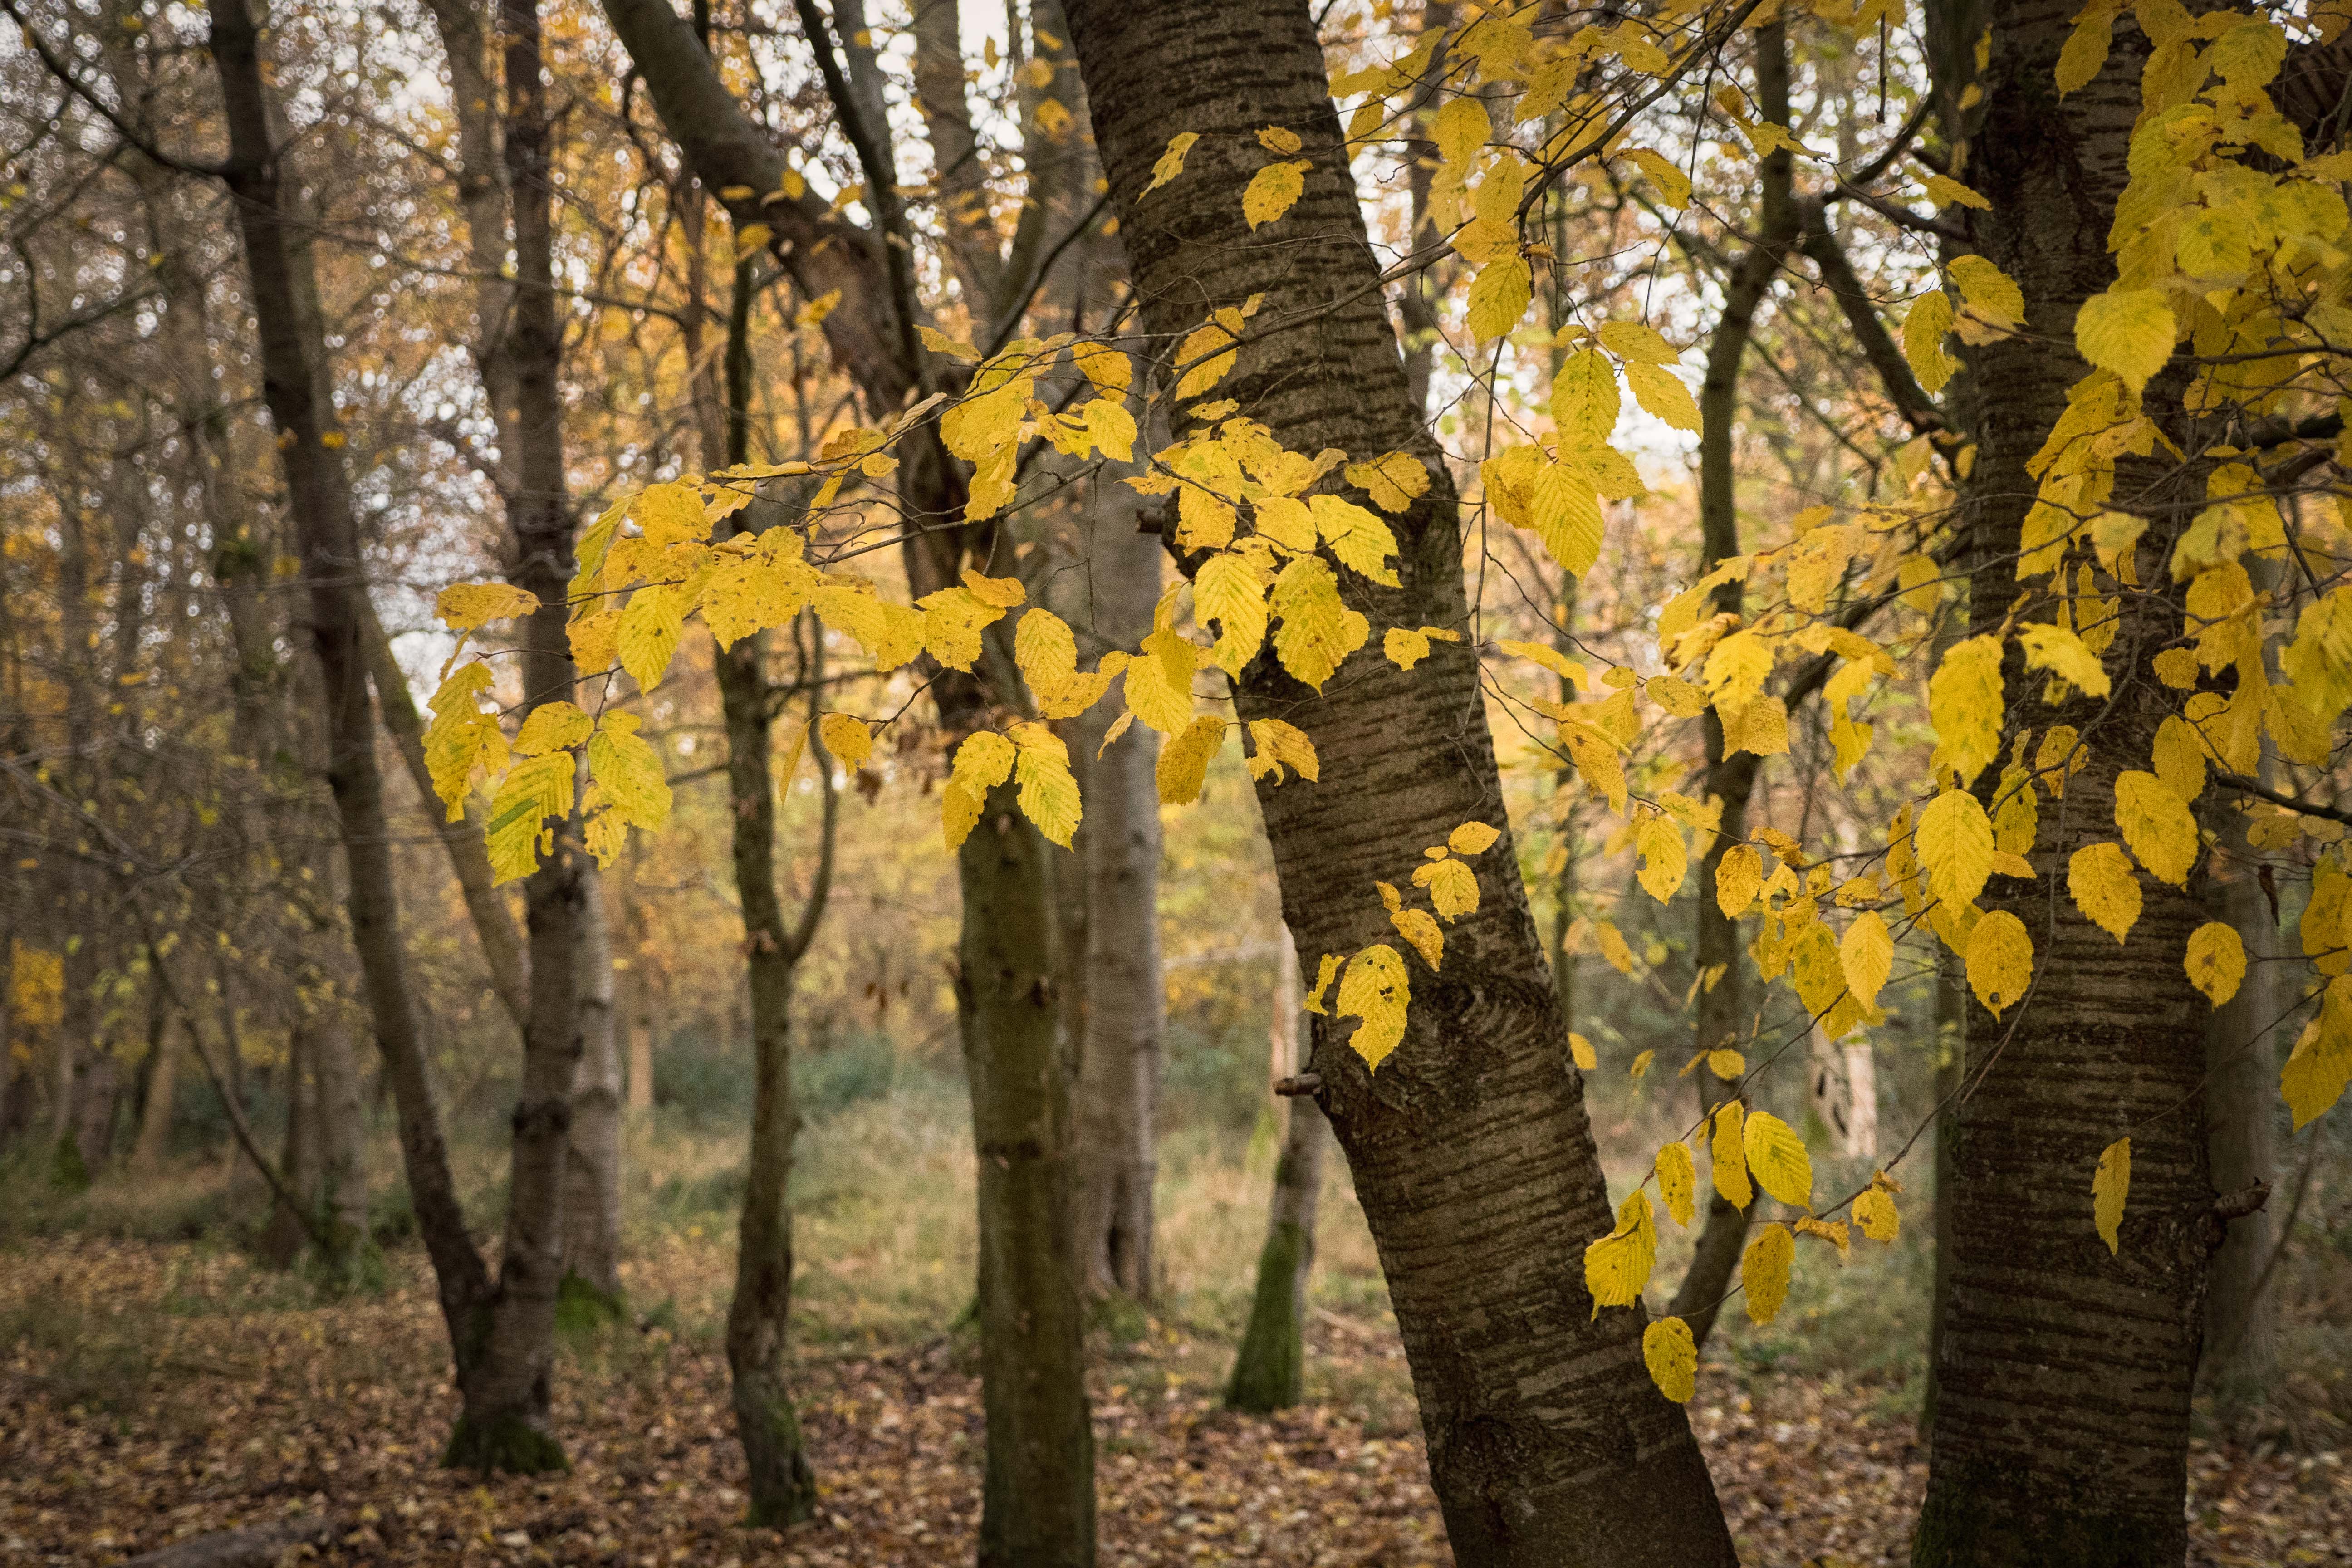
[[182, 1355]]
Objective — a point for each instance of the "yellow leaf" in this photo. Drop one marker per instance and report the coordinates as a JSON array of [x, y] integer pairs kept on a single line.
[[1674, 185], [462, 738], [1272, 192], [1360, 539], [1472, 838], [1988, 292], [537, 788], [628, 771], [1159, 681], [1664, 859], [1392, 480], [1924, 326], [2158, 824], [999, 592], [2216, 961], [1736, 877], [1317, 632], [1875, 1214], [1618, 1266], [1729, 1156], [1499, 296], [2086, 46], [1405, 648], [2000, 961], [1326, 973], [670, 514], [463, 606], [1581, 1051], [1672, 1356], [1376, 989], [2106, 887], [1452, 886], [1945, 191], [1280, 745], [2065, 655], [1230, 592], [2321, 1064], [1678, 1181], [2109, 1187], [1565, 513], [2127, 331], [1184, 761], [1172, 162], [1866, 953], [1726, 1063], [1764, 1272], [1613, 950], [849, 739], [1049, 794], [1427, 937], [1955, 844], [1045, 649], [1640, 1065], [648, 634], [1637, 344], [1964, 703], [1584, 401], [1276, 139], [1777, 1159], [1663, 394], [552, 727]]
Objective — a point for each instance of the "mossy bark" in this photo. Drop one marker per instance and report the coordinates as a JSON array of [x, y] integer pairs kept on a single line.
[[1270, 1368]]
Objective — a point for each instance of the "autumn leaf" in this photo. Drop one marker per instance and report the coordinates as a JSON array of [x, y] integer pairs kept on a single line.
[[2216, 961], [1777, 1159], [1672, 1356], [1764, 1272], [2110, 1184]]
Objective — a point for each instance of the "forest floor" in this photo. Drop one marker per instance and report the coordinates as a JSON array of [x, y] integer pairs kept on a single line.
[[150, 1391]]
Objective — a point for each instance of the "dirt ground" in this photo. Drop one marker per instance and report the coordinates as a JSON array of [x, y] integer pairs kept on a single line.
[[151, 1392]]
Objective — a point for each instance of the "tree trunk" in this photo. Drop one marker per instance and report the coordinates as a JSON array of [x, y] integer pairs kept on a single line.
[[1471, 1150], [1038, 1507], [592, 1158], [97, 1087], [296, 390], [1951, 1076], [1723, 1021], [1118, 1081], [283, 1238], [163, 1092], [2240, 1363], [2063, 1379], [342, 1139], [1270, 1368]]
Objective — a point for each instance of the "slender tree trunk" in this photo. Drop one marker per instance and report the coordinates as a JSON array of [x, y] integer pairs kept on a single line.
[[1471, 1150], [1038, 1507], [1951, 1056], [1723, 1021], [783, 1485], [592, 1158], [342, 1139], [2063, 1379], [297, 392], [1270, 1368], [163, 1092], [2240, 1363], [1119, 1080], [283, 1238]]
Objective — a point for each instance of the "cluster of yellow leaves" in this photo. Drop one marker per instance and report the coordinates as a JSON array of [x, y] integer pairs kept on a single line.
[[1375, 987]]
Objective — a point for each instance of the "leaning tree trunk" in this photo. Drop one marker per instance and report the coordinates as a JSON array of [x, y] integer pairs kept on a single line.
[[297, 390], [1270, 1368], [1118, 1081], [1471, 1150], [2064, 1381]]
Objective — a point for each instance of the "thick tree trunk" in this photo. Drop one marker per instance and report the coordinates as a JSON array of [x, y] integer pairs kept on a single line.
[[296, 390], [1270, 1368], [1038, 1507], [2063, 1383], [1471, 1150], [1118, 1081]]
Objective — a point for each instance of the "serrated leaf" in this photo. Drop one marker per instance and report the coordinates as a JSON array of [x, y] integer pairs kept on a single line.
[[1678, 1181], [1987, 290], [2110, 1186], [1184, 760], [1048, 794], [1729, 1155], [1564, 511], [1418, 928], [1499, 296], [1764, 1272], [2000, 961], [1866, 953], [1924, 326], [1663, 394], [1452, 886], [1317, 632], [1665, 859], [464, 607], [648, 635], [1672, 1356], [1777, 1159], [1229, 591], [2216, 961], [2127, 331], [2158, 826], [2320, 1067], [552, 727], [2065, 655], [1736, 877], [1375, 989], [1674, 185], [1171, 163], [1876, 1215], [2104, 888], [1584, 401], [628, 771], [1472, 838], [1279, 745], [1955, 844], [1618, 1266], [1964, 702]]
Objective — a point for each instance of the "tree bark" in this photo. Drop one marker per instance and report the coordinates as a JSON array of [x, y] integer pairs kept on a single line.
[[1471, 1150], [296, 390], [1038, 1503], [1270, 1368], [1118, 1075], [1723, 1020], [163, 1090], [2063, 1379], [592, 1156]]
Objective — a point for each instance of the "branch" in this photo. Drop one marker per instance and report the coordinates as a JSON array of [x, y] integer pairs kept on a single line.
[[61, 69], [1919, 410], [2245, 785]]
